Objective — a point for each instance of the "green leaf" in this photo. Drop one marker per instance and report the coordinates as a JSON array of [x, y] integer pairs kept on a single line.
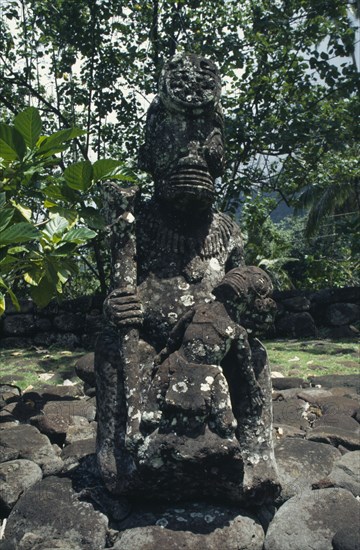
[[79, 235], [29, 124], [5, 218], [2, 304], [17, 250], [12, 144], [103, 168], [58, 138], [93, 218], [65, 249], [43, 292], [18, 233], [79, 175], [56, 226]]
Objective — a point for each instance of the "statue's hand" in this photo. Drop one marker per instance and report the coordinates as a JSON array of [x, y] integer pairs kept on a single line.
[[256, 397], [123, 309]]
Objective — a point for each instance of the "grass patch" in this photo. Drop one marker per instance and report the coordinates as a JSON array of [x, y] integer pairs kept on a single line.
[[313, 357], [34, 367]]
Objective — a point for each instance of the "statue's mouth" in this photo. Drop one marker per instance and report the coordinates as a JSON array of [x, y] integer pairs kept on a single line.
[[192, 180]]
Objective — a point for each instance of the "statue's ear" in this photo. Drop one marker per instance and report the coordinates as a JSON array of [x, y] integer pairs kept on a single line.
[[143, 158]]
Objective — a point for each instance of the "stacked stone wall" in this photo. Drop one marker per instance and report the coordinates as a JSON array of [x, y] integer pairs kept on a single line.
[[332, 313]]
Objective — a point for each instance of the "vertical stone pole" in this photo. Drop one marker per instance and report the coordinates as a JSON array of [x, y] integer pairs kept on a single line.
[[120, 214]]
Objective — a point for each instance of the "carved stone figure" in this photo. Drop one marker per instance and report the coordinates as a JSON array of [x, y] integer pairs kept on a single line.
[[179, 252]]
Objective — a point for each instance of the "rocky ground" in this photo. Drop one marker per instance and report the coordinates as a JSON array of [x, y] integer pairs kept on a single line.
[[51, 496]]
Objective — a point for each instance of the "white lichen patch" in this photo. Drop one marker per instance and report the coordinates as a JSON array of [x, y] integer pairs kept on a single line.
[[183, 286], [204, 387], [162, 522], [214, 264], [209, 379], [180, 387], [187, 300], [208, 518], [173, 316], [229, 331]]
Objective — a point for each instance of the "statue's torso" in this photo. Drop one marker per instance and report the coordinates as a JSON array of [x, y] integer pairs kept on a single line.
[[176, 271]]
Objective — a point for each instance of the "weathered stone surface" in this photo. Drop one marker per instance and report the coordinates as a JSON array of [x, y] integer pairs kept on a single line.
[[69, 322], [301, 463], [296, 325], [27, 442], [346, 473], [79, 429], [19, 325], [335, 380], [312, 395], [191, 526], [346, 539], [50, 510], [287, 382], [65, 410], [85, 370], [282, 431], [168, 417], [310, 520], [71, 454], [290, 412], [332, 295], [15, 477], [297, 303], [335, 435], [342, 314]]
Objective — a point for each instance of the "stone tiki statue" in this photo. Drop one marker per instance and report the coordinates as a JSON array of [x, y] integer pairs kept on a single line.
[[183, 384]]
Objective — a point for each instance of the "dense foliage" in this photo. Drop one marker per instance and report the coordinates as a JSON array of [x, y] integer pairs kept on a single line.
[[290, 99]]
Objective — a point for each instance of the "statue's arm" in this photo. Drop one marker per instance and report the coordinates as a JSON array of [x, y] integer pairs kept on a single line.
[[244, 361], [175, 337], [236, 253], [122, 309]]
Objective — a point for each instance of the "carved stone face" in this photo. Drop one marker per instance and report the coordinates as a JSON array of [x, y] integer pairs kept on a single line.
[[184, 145]]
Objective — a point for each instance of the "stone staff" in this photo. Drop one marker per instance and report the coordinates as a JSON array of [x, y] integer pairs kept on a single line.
[[120, 215]]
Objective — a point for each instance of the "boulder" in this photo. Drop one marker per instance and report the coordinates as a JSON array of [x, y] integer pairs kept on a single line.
[[51, 510], [19, 325], [346, 540], [84, 368], [310, 520], [191, 526], [16, 476], [342, 314], [336, 380], [346, 473], [288, 382], [27, 442], [301, 463], [296, 325], [289, 412], [297, 303]]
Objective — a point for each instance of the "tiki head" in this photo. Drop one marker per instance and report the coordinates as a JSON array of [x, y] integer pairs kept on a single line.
[[184, 143]]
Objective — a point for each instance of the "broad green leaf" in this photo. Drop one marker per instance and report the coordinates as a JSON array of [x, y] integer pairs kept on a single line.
[[2, 303], [29, 124], [14, 300], [18, 233], [24, 211], [12, 144], [65, 249], [93, 218], [78, 176], [70, 215], [43, 292], [17, 250], [5, 217], [79, 235], [104, 167], [56, 226], [58, 138], [32, 278], [55, 191]]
